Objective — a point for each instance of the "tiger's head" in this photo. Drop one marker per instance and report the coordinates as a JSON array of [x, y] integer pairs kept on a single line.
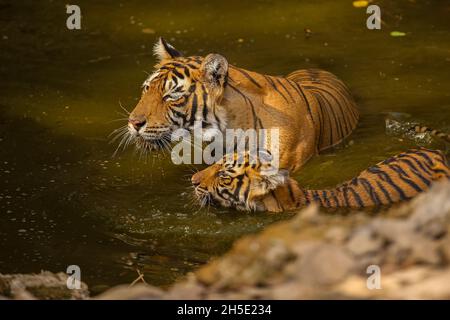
[[181, 93], [238, 181]]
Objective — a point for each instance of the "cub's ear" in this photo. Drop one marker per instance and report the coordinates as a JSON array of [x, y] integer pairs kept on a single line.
[[268, 180], [215, 70], [271, 179], [163, 50]]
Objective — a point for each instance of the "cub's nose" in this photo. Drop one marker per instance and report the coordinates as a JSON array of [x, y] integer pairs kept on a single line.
[[196, 179], [137, 122]]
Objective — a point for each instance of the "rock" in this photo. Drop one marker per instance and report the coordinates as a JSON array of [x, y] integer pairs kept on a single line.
[[364, 242], [45, 285], [324, 265], [137, 292], [187, 290], [337, 235]]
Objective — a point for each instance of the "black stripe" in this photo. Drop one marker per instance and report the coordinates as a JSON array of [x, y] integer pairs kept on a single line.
[[444, 172], [357, 197], [327, 200], [205, 107], [291, 83], [320, 101], [227, 192], [425, 156], [335, 198], [175, 80], [385, 192], [192, 66], [179, 114], [305, 193], [337, 124], [174, 65], [425, 167], [276, 199], [247, 191], [179, 104], [308, 106], [272, 84], [176, 73], [404, 176], [344, 190], [240, 182], [256, 120], [317, 198], [291, 192], [343, 118], [346, 97], [172, 119], [370, 191], [415, 171], [341, 108], [187, 72], [193, 109], [285, 89], [384, 176], [248, 76], [321, 120]]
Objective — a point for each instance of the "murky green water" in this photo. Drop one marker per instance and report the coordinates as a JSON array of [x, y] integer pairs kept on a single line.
[[63, 198]]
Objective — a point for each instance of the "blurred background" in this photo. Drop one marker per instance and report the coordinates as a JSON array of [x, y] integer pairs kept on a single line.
[[64, 199]]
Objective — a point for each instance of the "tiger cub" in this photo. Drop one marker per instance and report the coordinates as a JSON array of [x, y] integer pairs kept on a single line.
[[257, 186]]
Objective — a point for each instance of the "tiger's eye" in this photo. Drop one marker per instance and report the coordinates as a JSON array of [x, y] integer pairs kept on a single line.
[[224, 177], [226, 180]]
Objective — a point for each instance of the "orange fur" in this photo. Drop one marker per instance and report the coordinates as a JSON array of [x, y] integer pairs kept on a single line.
[[312, 109]]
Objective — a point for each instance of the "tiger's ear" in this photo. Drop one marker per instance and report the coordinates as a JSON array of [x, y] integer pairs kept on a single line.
[[163, 50], [272, 179], [215, 70], [265, 182]]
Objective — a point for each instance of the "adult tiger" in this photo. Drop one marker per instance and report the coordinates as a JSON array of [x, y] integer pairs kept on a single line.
[[256, 186], [312, 109]]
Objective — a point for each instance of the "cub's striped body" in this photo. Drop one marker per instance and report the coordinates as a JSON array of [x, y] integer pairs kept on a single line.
[[312, 109], [257, 187]]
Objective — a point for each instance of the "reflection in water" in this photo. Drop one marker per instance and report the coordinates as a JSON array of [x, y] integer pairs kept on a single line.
[[63, 198]]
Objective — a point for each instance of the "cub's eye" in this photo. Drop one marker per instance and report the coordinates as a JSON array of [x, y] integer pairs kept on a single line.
[[173, 96], [224, 177]]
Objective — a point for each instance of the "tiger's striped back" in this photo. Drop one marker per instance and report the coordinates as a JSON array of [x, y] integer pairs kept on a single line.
[[396, 179], [333, 108]]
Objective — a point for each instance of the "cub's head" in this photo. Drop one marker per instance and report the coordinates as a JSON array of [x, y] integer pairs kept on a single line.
[[180, 93], [237, 181]]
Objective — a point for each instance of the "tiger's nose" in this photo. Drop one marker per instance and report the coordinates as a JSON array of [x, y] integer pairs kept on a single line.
[[196, 179], [137, 122]]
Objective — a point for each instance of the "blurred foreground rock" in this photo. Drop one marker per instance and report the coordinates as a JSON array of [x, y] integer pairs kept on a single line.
[[321, 255], [44, 286], [311, 256]]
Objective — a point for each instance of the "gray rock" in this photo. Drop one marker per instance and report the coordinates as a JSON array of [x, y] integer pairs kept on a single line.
[[364, 242], [45, 285], [326, 264]]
